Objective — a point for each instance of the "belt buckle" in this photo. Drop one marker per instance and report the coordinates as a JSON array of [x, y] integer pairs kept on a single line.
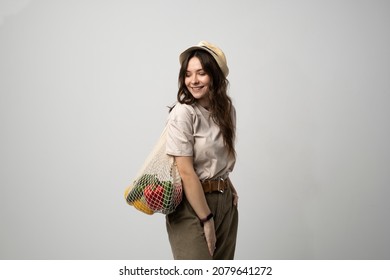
[[219, 183]]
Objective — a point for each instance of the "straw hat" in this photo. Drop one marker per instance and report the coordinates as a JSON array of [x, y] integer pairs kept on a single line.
[[216, 52]]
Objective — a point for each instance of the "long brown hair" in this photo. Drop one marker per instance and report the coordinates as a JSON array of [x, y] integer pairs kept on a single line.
[[220, 103]]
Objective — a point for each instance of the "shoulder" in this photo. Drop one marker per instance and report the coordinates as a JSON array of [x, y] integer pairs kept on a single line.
[[182, 112]]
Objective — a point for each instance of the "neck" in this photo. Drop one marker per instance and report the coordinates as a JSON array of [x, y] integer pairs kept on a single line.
[[204, 103]]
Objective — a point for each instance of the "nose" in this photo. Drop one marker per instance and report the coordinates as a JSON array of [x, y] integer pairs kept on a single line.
[[194, 79]]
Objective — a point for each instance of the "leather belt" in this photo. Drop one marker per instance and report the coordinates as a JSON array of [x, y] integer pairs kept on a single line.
[[214, 185]]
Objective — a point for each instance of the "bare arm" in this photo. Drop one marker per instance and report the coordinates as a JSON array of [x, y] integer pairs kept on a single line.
[[195, 196]]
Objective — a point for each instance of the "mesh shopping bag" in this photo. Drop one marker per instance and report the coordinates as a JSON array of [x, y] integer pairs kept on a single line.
[[157, 187]]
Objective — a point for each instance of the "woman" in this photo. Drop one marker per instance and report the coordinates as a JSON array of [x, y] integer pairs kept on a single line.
[[201, 134]]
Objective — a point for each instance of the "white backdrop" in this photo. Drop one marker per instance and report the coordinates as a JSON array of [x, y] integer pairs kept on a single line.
[[84, 87]]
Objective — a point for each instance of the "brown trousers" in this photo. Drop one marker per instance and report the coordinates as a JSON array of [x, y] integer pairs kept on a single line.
[[186, 234]]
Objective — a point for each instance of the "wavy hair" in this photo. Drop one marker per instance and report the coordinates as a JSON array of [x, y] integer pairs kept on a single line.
[[220, 103]]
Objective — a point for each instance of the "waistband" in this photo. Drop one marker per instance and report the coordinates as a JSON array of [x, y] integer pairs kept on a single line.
[[214, 185]]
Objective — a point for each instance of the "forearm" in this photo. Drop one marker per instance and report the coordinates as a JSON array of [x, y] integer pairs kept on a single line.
[[194, 193], [192, 187]]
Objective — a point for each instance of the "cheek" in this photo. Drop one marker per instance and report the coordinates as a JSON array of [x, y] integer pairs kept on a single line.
[[206, 81]]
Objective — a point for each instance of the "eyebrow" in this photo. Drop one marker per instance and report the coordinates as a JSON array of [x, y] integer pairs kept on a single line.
[[197, 70]]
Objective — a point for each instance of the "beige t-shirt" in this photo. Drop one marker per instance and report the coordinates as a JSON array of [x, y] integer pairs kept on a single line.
[[191, 131]]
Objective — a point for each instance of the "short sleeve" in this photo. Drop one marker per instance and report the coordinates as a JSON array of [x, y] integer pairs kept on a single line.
[[180, 131]]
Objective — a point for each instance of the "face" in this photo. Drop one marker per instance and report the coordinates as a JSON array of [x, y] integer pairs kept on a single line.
[[197, 81]]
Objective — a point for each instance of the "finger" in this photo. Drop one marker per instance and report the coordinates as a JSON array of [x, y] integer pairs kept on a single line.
[[211, 249], [235, 199], [212, 246]]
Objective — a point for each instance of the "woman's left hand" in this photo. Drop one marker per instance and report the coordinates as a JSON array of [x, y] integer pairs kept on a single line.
[[235, 198], [234, 193]]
